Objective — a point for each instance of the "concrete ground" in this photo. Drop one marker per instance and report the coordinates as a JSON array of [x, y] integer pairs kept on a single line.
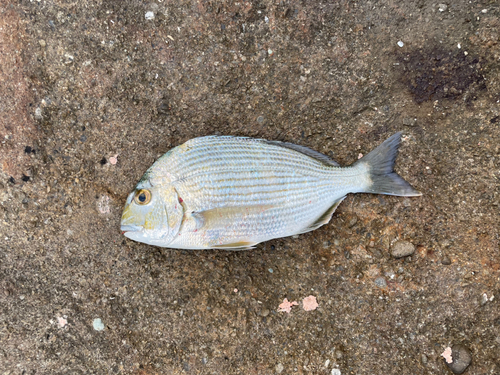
[[92, 92]]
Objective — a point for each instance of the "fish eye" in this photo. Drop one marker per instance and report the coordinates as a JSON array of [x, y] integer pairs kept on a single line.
[[143, 197]]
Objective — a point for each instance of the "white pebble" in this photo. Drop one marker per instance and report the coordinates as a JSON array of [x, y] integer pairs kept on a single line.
[[401, 44], [459, 46], [336, 371], [484, 11], [442, 7], [150, 15], [98, 324], [266, 19]]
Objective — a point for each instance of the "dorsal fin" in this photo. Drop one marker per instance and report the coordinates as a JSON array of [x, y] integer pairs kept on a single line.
[[302, 149], [306, 151]]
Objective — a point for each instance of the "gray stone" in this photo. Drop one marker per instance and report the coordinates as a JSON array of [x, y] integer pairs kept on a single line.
[[446, 260], [380, 282], [461, 359], [409, 121]]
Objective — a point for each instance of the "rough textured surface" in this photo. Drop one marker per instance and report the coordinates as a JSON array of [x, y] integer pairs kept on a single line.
[[86, 81]]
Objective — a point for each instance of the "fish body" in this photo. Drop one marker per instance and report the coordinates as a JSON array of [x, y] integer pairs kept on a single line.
[[235, 192]]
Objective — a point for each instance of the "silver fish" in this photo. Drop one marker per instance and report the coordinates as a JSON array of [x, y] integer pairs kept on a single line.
[[222, 192]]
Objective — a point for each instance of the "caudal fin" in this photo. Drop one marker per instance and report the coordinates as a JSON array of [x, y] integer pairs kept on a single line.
[[380, 163]]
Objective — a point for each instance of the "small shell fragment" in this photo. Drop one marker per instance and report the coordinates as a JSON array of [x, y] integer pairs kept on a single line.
[[286, 306], [447, 355]]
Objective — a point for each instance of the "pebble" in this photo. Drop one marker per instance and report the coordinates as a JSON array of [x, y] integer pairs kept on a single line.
[[461, 359], [380, 282], [113, 159], [103, 205], [409, 121], [401, 44], [150, 15], [264, 312], [260, 119], [68, 59], [442, 7], [353, 222], [98, 324], [446, 260], [336, 371], [279, 368], [402, 249], [485, 299], [42, 43]]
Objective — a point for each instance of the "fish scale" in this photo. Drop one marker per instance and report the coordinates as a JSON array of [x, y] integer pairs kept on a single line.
[[234, 192]]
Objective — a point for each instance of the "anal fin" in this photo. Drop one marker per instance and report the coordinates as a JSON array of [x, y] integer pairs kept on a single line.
[[236, 246], [324, 218]]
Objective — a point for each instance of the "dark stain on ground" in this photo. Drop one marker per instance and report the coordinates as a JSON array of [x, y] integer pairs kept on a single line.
[[435, 73]]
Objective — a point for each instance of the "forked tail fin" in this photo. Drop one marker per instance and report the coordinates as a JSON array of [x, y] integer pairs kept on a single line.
[[380, 165]]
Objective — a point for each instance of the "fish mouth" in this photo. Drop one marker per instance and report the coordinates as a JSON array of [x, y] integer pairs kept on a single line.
[[130, 228]]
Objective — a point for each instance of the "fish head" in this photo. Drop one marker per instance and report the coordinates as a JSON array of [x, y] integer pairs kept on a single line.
[[152, 214]]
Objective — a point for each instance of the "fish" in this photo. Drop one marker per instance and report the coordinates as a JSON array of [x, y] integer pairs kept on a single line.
[[226, 192]]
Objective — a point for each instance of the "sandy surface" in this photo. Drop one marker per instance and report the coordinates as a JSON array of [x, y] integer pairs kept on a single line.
[[92, 92]]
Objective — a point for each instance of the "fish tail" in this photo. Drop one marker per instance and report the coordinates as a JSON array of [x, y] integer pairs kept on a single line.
[[379, 165]]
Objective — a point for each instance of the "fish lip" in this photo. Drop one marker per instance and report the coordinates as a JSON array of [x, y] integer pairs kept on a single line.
[[130, 228]]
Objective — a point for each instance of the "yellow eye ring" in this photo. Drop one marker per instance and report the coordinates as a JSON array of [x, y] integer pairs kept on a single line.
[[143, 197]]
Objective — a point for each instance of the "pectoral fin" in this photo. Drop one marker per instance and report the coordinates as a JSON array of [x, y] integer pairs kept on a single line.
[[223, 223], [223, 216]]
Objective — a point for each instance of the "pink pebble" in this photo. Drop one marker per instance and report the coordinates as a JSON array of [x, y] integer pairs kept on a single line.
[[113, 159], [61, 321], [309, 303]]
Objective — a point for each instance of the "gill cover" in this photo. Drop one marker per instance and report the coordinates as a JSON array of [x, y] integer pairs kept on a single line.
[[166, 217]]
